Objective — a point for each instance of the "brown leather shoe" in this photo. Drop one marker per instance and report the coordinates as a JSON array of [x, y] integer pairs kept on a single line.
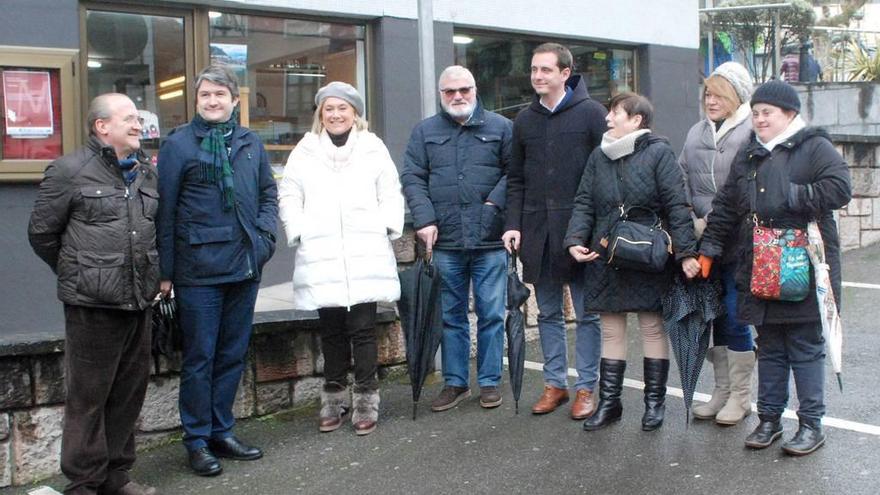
[[551, 399], [584, 405]]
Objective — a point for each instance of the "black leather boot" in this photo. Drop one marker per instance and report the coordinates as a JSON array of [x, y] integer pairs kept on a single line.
[[768, 431], [808, 438], [656, 373], [609, 409]]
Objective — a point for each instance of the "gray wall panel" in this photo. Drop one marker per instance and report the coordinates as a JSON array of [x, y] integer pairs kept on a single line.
[[670, 77], [43, 23], [396, 78]]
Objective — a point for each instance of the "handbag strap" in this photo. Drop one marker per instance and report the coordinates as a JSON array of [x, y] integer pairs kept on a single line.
[[621, 202]]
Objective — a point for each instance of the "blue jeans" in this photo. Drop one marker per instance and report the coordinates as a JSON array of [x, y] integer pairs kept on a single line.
[[551, 325], [216, 322], [727, 330], [487, 270], [785, 349]]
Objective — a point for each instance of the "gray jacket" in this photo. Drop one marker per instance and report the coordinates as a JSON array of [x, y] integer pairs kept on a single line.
[[96, 234], [706, 164]]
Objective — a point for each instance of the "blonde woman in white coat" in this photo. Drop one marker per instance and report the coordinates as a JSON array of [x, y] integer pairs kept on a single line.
[[706, 159], [341, 205]]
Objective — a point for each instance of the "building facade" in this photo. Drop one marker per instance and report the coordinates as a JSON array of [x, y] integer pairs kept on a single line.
[[55, 55]]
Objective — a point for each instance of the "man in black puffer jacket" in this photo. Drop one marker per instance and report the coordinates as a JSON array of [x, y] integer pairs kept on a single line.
[[552, 139], [455, 181], [94, 224]]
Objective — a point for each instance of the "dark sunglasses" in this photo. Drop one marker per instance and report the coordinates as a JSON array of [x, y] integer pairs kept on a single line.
[[450, 92]]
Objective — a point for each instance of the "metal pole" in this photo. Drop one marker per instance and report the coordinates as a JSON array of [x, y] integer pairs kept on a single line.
[[776, 44], [426, 57], [710, 45]]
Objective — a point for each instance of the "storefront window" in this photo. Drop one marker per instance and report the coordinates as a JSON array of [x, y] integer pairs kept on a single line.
[[141, 56], [281, 63], [501, 66]]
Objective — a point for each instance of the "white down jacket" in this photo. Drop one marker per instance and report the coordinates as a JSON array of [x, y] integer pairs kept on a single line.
[[341, 207]]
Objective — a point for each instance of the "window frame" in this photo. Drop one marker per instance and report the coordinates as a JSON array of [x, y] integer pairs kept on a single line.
[[65, 61]]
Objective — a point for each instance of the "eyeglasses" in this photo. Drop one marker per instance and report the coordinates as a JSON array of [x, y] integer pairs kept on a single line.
[[450, 92]]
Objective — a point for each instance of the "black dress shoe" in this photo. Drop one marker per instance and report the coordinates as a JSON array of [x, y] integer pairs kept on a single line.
[[204, 462], [232, 448], [765, 433], [808, 438]]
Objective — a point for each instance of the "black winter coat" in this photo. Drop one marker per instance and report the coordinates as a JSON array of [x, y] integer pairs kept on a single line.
[[648, 177], [802, 179], [451, 170], [97, 234], [547, 160]]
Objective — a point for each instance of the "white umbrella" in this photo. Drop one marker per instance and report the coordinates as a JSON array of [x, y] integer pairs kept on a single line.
[[832, 329]]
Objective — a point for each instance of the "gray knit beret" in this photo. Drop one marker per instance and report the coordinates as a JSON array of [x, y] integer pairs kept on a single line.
[[779, 94], [345, 91], [738, 77]]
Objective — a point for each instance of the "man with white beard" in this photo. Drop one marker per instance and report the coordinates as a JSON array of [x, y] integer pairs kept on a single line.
[[455, 181]]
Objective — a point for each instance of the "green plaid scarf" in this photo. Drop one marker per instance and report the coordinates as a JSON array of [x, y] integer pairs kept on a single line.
[[214, 159]]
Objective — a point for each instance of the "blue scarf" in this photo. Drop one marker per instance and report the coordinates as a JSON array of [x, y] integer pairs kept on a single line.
[[129, 174]]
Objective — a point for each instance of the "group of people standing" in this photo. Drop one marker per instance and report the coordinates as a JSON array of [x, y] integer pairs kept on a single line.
[[571, 170], [547, 186]]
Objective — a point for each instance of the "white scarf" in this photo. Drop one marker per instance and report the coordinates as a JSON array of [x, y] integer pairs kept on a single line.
[[794, 126], [336, 157], [742, 113], [615, 148]]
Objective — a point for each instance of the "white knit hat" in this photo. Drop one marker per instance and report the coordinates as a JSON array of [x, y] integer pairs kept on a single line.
[[738, 77]]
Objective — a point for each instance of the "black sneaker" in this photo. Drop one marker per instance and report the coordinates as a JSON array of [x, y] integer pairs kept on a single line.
[[490, 397], [450, 397]]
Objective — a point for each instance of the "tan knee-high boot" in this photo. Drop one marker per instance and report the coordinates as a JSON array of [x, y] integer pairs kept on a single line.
[[718, 357], [739, 404]]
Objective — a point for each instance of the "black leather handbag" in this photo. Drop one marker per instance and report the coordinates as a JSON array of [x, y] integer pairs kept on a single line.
[[633, 245], [638, 246]]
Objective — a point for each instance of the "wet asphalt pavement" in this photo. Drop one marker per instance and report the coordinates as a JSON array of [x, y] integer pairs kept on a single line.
[[472, 450]]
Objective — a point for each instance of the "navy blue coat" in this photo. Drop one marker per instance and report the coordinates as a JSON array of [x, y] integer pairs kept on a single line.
[[548, 156], [451, 170], [200, 243]]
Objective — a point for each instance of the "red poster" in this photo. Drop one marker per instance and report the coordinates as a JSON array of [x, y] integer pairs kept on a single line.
[[27, 100]]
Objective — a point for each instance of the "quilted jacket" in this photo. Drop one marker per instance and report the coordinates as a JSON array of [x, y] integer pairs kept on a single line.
[[649, 177], [97, 234]]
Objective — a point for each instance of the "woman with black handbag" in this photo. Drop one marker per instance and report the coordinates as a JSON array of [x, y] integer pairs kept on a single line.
[[631, 225], [785, 177]]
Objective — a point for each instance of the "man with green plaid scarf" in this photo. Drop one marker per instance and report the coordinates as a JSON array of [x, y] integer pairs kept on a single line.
[[217, 215]]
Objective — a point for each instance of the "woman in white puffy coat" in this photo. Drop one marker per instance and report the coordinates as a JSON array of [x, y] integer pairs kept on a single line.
[[341, 205]]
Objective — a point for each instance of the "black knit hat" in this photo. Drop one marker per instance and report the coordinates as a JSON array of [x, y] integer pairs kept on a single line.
[[777, 93]]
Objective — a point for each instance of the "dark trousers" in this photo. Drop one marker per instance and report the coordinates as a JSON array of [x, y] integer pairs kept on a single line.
[[345, 332], [727, 330], [107, 367], [787, 348], [216, 322]]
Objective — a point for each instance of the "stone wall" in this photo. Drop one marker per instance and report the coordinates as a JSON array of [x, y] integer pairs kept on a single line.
[[283, 370], [859, 221]]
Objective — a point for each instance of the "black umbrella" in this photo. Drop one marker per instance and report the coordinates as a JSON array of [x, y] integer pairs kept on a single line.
[[688, 310], [422, 320], [514, 327], [166, 335]]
